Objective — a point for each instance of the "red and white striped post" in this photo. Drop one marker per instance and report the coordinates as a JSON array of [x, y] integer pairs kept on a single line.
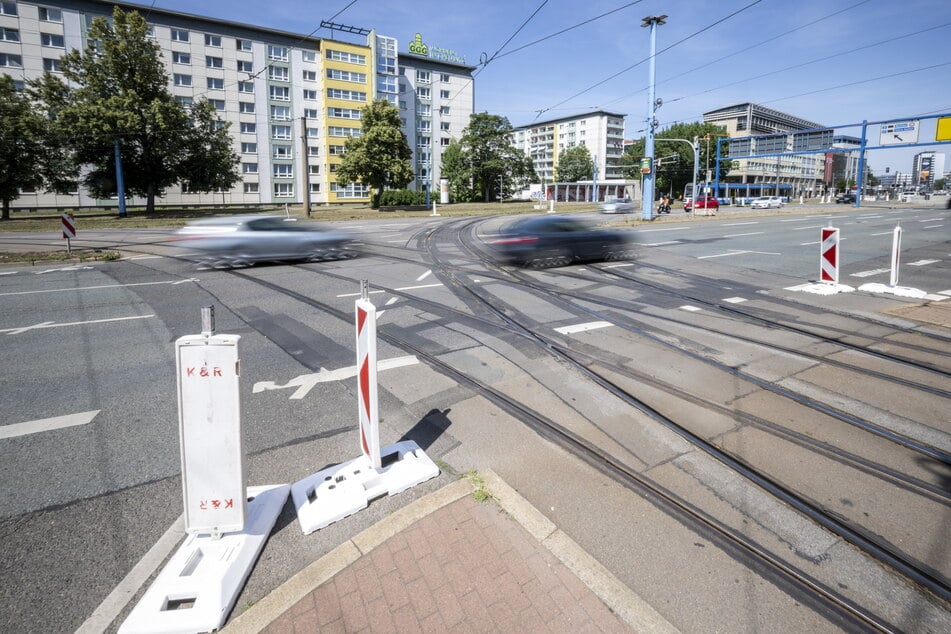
[[829, 255], [366, 377], [69, 230]]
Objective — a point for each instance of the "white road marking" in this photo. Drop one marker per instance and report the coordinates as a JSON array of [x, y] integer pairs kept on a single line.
[[692, 309], [141, 257], [931, 219], [735, 300], [424, 275], [739, 235], [9, 272], [884, 233], [935, 298], [947, 292], [932, 226], [616, 266], [870, 273], [660, 244], [737, 224], [93, 288], [389, 302], [65, 268], [50, 324], [806, 228], [796, 220], [656, 230], [923, 262], [591, 325], [806, 244], [722, 255], [404, 288], [47, 424], [306, 382]]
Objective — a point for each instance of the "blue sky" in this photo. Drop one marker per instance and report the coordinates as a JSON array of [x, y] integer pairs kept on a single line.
[[830, 61]]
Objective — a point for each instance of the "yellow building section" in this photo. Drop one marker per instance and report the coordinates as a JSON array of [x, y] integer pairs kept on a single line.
[[348, 85]]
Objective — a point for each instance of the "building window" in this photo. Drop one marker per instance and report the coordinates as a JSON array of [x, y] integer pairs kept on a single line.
[[179, 35], [283, 190], [310, 94], [351, 190], [278, 53], [311, 113], [346, 75], [344, 113], [219, 105], [313, 169], [213, 40], [249, 148], [444, 78], [183, 80], [315, 188], [444, 94], [281, 113], [249, 128], [351, 58], [309, 56], [216, 83], [52, 65], [245, 67], [50, 15], [9, 35], [386, 83], [340, 131], [310, 75], [242, 45], [423, 77], [249, 168], [424, 125], [246, 86], [283, 170], [386, 65], [348, 95], [280, 93], [185, 101], [277, 73], [181, 58], [53, 40], [251, 188], [246, 107], [313, 133], [281, 152], [337, 150], [444, 126], [313, 151], [424, 141], [8, 8], [444, 141], [444, 110], [281, 132], [423, 93], [214, 62]]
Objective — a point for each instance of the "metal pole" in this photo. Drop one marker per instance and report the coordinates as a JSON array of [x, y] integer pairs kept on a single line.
[[305, 161], [860, 177], [647, 199], [696, 168], [120, 181], [594, 192]]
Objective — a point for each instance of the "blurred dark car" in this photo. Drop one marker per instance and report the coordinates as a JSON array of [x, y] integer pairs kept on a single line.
[[845, 198], [547, 241], [703, 202], [235, 241]]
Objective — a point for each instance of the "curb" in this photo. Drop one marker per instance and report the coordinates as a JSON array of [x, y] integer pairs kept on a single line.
[[622, 600]]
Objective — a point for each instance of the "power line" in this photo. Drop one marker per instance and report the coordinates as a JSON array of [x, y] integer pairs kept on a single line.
[[511, 37]]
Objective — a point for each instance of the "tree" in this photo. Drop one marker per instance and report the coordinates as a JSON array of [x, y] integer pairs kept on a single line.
[[379, 157], [494, 163], [455, 168], [20, 130], [676, 169], [575, 164], [121, 96]]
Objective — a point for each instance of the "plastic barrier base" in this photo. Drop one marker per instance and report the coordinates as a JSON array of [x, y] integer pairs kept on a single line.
[[198, 587], [336, 492]]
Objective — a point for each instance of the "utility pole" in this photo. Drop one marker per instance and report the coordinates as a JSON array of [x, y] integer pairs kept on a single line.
[[647, 202], [305, 161], [120, 180]]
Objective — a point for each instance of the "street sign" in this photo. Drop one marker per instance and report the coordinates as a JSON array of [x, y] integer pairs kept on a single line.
[[899, 133], [943, 129], [646, 165]]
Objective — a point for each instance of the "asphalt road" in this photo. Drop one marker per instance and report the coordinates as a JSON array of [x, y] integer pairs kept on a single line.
[[89, 456]]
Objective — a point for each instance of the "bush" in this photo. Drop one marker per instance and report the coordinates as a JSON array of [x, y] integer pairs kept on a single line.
[[402, 197]]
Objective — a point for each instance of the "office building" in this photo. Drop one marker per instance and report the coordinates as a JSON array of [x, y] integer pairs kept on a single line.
[[927, 167], [292, 100]]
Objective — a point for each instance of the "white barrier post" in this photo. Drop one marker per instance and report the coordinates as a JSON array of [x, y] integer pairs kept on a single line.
[[829, 255], [435, 213], [896, 255], [200, 583], [341, 490], [69, 230]]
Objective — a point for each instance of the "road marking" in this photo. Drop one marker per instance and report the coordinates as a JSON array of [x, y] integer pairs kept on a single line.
[[591, 325], [306, 382], [389, 302], [740, 235], [807, 228], [141, 257], [735, 252], [9, 272], [65, 268], [617, 266], [47, 424], [93, 288], [884, 233], [655, 230], [735, 300], [870, 273], [923, 262], [796, 220], [660, 244], [931, 219], [50, 324], [806, 244], [403, 288], [692, 309], [737, 224], [424, 275], [932, 226]]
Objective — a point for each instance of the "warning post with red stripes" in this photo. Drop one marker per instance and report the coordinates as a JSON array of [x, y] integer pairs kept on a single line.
[[366, 377], [829, 255]]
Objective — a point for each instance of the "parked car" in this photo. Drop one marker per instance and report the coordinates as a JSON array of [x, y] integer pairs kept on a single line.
[[766, 202], [845, 198], [617, 206], [233, 241], [547, 241], [703, 202]]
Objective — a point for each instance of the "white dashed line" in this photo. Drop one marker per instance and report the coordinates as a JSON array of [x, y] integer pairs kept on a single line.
[[592, 325]]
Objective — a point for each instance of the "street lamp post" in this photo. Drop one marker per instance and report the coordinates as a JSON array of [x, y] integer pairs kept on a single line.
[[647, 201]]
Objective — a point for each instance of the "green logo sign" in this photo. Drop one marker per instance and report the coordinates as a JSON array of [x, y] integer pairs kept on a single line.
[[417, 46]]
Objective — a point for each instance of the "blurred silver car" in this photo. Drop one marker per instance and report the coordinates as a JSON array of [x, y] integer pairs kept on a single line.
[[235, 241], [617, 206]]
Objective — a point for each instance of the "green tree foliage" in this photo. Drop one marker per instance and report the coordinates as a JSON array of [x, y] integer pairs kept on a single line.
[[495, 166], [455, 168], [121, 94], [379, 157], [575, 164], [676, 169], [20, 129]]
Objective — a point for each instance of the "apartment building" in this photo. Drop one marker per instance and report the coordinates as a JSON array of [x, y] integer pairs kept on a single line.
[[601, 132], [292, 100], [792, 175]]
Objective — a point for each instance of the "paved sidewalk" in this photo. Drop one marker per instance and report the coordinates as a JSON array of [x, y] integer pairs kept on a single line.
[[448, 562]]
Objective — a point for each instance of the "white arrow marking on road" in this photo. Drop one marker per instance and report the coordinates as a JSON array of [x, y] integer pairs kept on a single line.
[[592, 325], [50, 324], [47, 424], [90, 288], [65, 268], [306, 382], [922, 262]]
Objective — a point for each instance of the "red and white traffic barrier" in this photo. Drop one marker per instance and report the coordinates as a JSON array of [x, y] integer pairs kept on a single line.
[[69, 230], [829, 255], [336, 492]]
